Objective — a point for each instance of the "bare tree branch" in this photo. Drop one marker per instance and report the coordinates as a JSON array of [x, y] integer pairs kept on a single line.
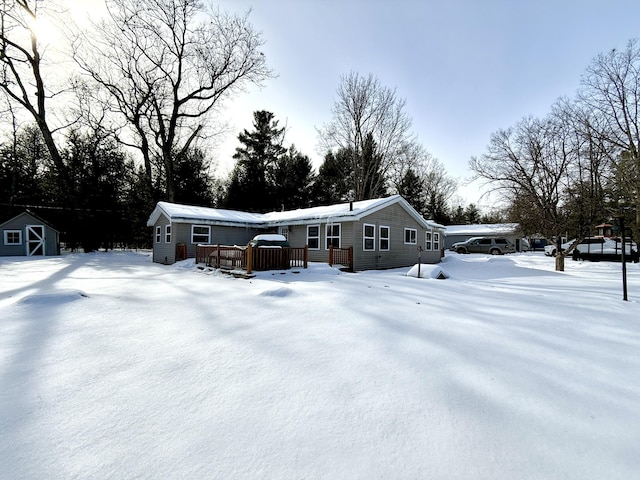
[[168, 65]]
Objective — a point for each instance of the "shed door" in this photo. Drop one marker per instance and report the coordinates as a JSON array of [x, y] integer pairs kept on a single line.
[[35, 240]]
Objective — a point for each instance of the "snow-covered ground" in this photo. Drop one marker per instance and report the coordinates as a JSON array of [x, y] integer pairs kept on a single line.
[[114, 367]]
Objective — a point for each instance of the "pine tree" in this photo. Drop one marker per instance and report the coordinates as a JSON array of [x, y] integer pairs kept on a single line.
[[250, 186], [411, 188], [371, 179], [193, 184], [293, 178], [333, 181]]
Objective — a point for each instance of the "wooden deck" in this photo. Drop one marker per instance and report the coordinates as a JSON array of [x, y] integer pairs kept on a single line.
[[249, 258]]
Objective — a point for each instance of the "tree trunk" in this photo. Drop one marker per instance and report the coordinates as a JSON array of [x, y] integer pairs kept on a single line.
[[169, 177], [559, 262]]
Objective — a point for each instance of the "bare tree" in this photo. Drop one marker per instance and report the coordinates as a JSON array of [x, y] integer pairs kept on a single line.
[[166, 65], [364, 107], [590, 170], [22, 62], [437, 187], [529, 166], [611, 87]]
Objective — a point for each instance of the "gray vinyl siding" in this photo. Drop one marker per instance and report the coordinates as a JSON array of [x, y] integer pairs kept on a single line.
[[297, 236], [163, 252], [393, 215], [20, 222], [399, 255], [219, 236]]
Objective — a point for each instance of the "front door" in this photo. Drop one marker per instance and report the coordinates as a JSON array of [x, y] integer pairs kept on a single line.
[[35, 240]]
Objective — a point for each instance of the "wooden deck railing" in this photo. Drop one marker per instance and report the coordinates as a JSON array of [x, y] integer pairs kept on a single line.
[[252, 258], [341, 256]]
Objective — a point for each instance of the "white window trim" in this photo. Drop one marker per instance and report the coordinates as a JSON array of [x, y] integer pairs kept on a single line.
[[387, 238], [428, 240], [415, 240], [6, 237], [365, 238], [318, 237], [158, 233], [167, 233], [436, 241], [327, 236], [208, 234]]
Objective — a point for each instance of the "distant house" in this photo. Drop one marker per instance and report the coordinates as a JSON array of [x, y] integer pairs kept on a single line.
[[28, 235], [460, 233], [384, 233]]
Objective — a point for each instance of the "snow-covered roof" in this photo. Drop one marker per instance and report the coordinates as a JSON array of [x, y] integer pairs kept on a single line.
[[178, 213], [483, 229], [342, 212]]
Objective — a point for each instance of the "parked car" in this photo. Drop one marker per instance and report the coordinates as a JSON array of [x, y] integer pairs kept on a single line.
[[491, 245], [597, 248], [537, 244]]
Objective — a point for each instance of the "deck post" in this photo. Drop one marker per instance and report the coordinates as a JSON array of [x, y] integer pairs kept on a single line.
[[306, 256], [249, 259], [331, 255], [218, 256]]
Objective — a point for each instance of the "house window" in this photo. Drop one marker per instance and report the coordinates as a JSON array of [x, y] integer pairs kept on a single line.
[[436, 241], [313, 237], [410, 236], [200, 234], [333, 236], [167, 234], [368, 237], [13, 237], [158, 233], [384, 238], [428, 244]]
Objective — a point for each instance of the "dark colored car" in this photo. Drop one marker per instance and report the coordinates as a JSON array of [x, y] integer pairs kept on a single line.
[[490, 245]]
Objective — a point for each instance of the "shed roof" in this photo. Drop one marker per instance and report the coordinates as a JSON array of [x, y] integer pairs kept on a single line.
[[33, 216], [343, 212], [483, 229]]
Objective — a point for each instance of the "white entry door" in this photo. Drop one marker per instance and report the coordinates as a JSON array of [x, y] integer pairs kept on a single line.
[[35, 240]]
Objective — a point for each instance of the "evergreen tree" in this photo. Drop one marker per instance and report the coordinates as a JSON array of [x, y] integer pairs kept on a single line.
[[411, 188], [472, 214], [138, 202], [436, 207], [333, 181], [457, 216], [293, 178], [371, 176], [251, 181], [98, 172], [23, 171], [193, 184]]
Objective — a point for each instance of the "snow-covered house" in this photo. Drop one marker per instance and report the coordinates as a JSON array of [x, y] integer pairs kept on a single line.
[[460, 233], [28, 235], [384, 232]]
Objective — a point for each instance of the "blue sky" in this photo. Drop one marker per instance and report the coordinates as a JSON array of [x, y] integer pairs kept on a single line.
[[466, 68]]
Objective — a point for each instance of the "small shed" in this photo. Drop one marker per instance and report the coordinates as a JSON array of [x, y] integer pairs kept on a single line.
[[28, 235]]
